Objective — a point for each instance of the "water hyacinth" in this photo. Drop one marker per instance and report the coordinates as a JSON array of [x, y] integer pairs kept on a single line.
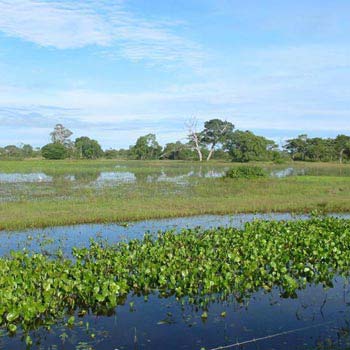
[[39, 290]]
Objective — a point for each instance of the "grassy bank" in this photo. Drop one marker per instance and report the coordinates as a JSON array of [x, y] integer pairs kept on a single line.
[[151, 194]]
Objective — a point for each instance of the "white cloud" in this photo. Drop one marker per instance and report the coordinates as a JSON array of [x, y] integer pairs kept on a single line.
[[76, 24]]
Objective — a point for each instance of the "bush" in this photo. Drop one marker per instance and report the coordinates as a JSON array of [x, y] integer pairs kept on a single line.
[[54, 151], [246, 172]]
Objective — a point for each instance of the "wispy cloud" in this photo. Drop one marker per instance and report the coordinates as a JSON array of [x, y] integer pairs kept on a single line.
[[77, 24]]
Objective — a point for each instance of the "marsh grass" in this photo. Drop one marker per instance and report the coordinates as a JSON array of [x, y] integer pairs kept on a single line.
[[64, 202]]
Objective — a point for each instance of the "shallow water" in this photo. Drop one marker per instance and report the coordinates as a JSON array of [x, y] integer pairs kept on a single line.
[[67, 237], [124, 174], [18, 177], [317, 319]]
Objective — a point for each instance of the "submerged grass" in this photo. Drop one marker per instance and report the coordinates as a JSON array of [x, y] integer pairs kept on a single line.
[[160, 190], [37, 290]]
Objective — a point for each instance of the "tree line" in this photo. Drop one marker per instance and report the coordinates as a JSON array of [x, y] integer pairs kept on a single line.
[[217, 140]]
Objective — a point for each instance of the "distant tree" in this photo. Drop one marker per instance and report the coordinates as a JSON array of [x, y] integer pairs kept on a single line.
[[111, 154], [146, 147], [319, 149], [12, 152], [177, 151], [342, 146], [27, 151], [216, 131], [297, 147], [88, 148], [245, 146], [54, 151], [61, 135], [117, 153]]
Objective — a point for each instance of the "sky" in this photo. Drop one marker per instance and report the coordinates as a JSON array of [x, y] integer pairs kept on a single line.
[[114, 70]]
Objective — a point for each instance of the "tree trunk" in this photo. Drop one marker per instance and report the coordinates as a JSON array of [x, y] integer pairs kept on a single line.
[[197, 146], [341, 156], [200, 156], [210, 153]]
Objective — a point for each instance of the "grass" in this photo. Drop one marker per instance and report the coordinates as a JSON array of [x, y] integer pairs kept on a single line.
[[65, 202]]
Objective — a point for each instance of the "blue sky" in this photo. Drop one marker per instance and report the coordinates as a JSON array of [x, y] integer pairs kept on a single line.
[[115, 70]]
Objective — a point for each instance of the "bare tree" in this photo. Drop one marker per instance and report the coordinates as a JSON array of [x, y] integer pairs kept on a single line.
[[195, 137], [61, 135]]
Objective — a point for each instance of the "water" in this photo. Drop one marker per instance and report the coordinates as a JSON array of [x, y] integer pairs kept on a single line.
[[19, 178], [312, 321], [317, 319], [122, 175], [67, 237]]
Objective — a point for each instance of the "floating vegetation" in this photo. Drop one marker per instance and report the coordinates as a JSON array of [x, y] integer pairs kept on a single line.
[[196, 265]]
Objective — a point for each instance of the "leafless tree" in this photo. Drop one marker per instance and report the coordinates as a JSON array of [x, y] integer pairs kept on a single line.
[[194, 137], [61, 135]]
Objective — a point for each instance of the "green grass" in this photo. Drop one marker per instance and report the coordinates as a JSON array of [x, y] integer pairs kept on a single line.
[[63, 202]]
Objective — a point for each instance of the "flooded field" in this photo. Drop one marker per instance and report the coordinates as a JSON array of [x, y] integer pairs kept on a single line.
[[62, 182], [128, 173]]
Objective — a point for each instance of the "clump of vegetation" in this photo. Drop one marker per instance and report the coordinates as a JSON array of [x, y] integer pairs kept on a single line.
[[37, 290], [54, 151], [246, 172]]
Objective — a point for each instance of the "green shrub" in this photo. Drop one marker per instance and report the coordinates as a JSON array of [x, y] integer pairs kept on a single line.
[[54, 151], [246, 172]]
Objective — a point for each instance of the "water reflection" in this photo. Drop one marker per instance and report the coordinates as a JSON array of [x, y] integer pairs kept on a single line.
[[101, 178], [316, 319], [179, 175]]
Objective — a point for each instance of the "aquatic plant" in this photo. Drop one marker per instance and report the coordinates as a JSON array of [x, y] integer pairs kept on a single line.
[[39, 290]]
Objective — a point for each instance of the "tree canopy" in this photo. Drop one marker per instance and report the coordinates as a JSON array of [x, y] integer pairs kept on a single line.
[[146, 147], [245, 146], [54, 151], [216, 131], [88, 148]]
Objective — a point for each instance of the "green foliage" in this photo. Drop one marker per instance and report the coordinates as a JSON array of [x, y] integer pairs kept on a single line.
[[244, 146], [318, 149], [88, 148], [17, 153], [178, 151], [40, 290], [54, 151], [117, 154], [246, 172], [146, 147], [216, 132]]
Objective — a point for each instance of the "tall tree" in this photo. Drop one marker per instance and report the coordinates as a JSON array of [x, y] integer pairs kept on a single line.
[[342, 146], [244, 146], [146, 147], [216, 131], [61, 135], [297, 147], [88, 148]]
